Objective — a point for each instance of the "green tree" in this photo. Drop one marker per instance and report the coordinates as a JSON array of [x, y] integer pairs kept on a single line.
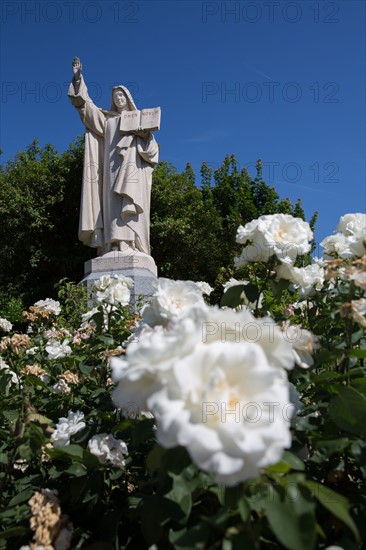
[[39, 198], [186, 235], [193, 226]]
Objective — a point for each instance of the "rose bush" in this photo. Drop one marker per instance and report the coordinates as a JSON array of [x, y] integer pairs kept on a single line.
[[188, 425]]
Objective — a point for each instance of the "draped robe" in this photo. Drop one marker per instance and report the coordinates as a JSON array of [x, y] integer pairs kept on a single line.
[[117, 177]]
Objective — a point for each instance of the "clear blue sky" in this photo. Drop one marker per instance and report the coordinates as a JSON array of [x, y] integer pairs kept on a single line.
[[276, 80]]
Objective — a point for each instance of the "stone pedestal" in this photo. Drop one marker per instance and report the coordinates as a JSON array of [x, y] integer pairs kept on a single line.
[[137, 265]]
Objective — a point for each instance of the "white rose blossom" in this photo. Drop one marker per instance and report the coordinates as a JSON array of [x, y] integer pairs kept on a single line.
[[108, 449], [114, 290], [220, 358], [307, 279], [5, 325], [218, 406], [66, 427], [336, 245], [279, 235], [304, 344], [171, 299], [58, 350], [61, 387], [350, 241], [49, 305]]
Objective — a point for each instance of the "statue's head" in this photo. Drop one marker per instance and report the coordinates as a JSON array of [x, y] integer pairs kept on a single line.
[[122, 100]]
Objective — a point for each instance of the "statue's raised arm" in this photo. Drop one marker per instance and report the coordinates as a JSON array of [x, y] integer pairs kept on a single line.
[[77, 69]]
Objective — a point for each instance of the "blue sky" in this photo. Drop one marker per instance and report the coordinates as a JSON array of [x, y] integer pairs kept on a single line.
[[277, 80]]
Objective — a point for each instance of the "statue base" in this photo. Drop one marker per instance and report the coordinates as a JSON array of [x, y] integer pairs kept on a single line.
[[140, 267]]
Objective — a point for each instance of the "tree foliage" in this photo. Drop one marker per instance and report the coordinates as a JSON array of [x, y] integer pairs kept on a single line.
[[40, 192], [193, 225]]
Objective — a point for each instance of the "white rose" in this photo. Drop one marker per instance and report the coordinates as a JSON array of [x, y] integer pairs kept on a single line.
[[337, 245], [227, 325], [228, 406], [119, 294], [5, 325], [58, 350], [106, 448], [114, 290], [307, 279], [146, 361], [304, 344], [352, 224], [145, 367], [171, 299], [280, 235], [351, 239], [66, 427], [49, 305], [61, 387]]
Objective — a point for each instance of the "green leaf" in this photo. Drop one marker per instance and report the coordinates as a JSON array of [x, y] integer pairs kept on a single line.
[[154, 458], [252, 292], [291, 516], [232, 496], [72, 451], [23, 496], [279, 468], [239, 541], [357, 353], [86, 369], [143, 430], [244, 508], [14, 532], [193, 539], [175, 460], [107, 340], [181, 494], [35, 417], [76, 469], [331, 446], [293, 461], [232, 297], [151, 516], [348, 411], [3, 458], [12, 416], [278, 287], [335, 503]]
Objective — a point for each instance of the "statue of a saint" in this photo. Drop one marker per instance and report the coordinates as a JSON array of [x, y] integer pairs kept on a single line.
[[118, 165]]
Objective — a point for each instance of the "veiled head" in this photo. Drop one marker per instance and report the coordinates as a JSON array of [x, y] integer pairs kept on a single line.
[[122, 99]]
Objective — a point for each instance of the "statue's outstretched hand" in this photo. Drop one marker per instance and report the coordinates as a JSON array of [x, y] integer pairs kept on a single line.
[[76, 67]]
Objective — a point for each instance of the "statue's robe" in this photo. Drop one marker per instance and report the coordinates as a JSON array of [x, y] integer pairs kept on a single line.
[[117, 177]]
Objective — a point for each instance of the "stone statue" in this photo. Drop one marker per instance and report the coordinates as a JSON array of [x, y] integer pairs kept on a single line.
[[118, 165]]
